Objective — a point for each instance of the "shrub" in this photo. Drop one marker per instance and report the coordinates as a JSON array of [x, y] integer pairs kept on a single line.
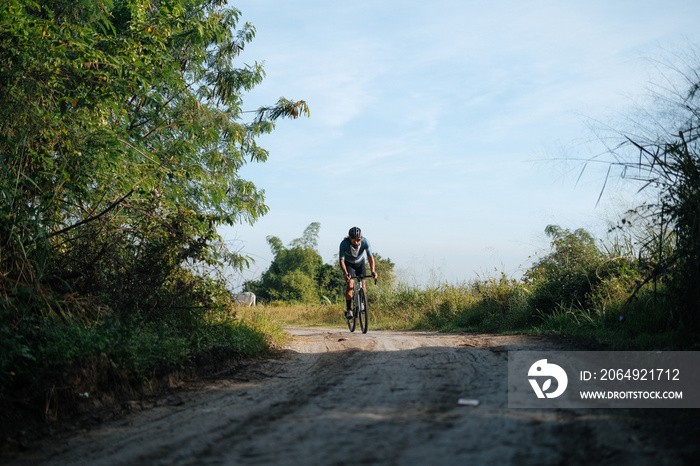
[[567, 275]]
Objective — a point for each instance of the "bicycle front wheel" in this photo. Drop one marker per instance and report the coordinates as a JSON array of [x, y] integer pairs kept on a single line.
[[364, 319], [352, 321]]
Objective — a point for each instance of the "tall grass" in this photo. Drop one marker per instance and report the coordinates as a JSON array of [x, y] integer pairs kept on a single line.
[[495, 304]]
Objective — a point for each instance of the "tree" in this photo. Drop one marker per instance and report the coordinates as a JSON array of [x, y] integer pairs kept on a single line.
[[294, 273], [309, 240], [567, 275], [331, 283], [122, 134]]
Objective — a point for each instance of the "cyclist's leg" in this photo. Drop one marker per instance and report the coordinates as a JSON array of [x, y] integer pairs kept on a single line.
[[349, 288], [362, 272]]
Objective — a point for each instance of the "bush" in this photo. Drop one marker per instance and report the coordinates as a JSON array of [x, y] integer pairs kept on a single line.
[[567, 275]]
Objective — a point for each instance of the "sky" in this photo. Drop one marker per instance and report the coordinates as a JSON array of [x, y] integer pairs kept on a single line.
[[446, 130]]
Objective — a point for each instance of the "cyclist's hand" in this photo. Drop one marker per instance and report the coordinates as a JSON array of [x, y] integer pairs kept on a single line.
[[374, 275], [348, 277]]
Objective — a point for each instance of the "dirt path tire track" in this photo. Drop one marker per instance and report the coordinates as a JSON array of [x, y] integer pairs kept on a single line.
[[380, 398]]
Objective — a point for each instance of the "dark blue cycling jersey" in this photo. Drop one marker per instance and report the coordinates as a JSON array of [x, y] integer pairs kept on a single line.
[[355, 257]]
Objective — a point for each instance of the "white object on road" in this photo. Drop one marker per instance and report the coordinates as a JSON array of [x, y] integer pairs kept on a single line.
[[467, 402]]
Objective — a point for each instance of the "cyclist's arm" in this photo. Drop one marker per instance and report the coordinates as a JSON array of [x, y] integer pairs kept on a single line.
[[343, 268], [341, 257], [371, 266]]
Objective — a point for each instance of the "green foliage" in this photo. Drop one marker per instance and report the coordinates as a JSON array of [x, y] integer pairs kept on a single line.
[[568, 274], [503, 302], [118, 122], [122, 136], [292, 275], [297, 286], [452, 307], [331, 283], [681, 202], [484, 305], [309, 240], [297, 273], [28, 350]]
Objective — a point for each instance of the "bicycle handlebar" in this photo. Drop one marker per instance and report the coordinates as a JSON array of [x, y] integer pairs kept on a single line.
[[365, 276]]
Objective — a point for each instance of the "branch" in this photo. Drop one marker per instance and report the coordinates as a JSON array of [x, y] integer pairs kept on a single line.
[[141, 152], [87, 220], [158, 129], [285, 108]]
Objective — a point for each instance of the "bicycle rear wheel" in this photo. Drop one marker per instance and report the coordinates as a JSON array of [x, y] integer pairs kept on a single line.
[[364, 319]]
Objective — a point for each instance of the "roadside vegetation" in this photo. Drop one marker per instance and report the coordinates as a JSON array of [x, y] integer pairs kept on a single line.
[[581, 287], [122, 133]]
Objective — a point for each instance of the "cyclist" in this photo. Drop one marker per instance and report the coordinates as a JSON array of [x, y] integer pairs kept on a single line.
[[355, 252]]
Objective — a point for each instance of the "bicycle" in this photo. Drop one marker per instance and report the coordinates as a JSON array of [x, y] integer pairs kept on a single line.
[[359, 306]]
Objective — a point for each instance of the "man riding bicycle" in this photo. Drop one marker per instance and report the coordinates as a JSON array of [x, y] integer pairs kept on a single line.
[[355, 252]]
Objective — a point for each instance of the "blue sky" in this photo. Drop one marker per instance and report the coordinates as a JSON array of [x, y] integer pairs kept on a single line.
[[439, 127]]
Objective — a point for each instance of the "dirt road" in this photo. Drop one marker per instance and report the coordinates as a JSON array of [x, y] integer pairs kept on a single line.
[[382, 398]]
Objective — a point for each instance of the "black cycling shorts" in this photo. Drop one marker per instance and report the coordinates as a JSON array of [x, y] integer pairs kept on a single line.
[[357, 270]]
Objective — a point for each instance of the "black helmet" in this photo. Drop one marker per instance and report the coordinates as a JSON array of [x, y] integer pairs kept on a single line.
[[355, 233]]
